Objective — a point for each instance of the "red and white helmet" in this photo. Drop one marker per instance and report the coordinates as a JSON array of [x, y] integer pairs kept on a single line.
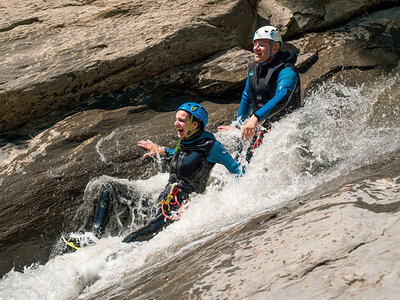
[[268, 32]]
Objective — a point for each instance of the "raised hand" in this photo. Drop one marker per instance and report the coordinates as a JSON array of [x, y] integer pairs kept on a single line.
[[152, 148]]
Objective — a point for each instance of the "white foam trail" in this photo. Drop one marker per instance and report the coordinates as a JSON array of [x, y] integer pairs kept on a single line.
[[107, 138]]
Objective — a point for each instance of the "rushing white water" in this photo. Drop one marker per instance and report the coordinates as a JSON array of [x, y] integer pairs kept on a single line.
[[340, 129]]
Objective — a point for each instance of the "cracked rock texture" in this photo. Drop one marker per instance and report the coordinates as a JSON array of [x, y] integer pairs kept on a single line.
[[62, 56], [65, 62]]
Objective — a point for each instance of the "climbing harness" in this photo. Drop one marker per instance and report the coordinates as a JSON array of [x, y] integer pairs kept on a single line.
[[172, 195]]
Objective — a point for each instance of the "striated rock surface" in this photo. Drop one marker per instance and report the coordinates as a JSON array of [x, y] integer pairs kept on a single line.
[[331, 244], [365, 45], [296, 17], [59, 57], [66, 53]]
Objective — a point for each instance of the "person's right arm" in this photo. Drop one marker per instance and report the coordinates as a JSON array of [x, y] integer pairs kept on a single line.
[[154, 150], [219, 155], [245, 103]]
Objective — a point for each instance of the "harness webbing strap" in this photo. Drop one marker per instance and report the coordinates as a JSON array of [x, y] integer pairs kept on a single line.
[[259, 140], [172, 195]]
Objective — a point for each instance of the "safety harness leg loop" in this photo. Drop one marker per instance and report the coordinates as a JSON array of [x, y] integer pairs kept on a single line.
[[172, 195]]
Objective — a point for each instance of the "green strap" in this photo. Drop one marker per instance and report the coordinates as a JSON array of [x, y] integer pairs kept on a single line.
[[177, 145]]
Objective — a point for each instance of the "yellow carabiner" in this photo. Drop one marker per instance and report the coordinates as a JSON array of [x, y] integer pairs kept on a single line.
[[169, 198], [71, 244], [166, 202]]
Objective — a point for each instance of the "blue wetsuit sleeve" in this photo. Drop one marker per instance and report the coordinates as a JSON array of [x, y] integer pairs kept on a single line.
[[245, 103], [170, 152], [287, 80], [219, 155]]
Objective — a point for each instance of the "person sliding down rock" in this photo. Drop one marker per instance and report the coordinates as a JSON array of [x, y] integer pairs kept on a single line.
[[272, 88], [190, 164]]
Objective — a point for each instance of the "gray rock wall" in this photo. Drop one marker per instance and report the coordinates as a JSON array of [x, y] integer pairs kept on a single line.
[[62, 56], [66, 54], [298, 17]]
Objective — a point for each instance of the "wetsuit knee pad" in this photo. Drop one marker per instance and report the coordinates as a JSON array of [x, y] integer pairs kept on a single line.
[[104, 207]]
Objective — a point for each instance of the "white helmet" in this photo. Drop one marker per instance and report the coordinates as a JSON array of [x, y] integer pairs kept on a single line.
[[268, 32]]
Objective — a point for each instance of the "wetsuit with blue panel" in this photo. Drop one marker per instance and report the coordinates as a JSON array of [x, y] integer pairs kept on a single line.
[[190, 168], [272, 90], [192, 163]]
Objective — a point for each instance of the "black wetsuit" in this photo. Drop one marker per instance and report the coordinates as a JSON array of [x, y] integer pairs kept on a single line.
[[272, 91], [190, 168]]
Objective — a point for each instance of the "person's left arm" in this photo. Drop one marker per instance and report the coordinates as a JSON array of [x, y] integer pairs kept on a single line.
[[219, 155], [287, 80]]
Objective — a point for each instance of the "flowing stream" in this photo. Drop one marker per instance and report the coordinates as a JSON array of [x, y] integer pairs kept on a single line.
[[340, 129]]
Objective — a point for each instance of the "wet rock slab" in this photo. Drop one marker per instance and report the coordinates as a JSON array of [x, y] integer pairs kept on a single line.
[[342, 244], [59, 55]]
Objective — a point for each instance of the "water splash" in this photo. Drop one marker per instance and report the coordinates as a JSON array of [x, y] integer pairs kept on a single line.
[[109, 138], [339, 129]]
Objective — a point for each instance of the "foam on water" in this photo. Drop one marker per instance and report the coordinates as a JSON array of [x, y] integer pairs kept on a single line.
[[340, 129]]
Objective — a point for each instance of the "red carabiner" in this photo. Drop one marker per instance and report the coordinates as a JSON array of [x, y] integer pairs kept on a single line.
[[175, 190]]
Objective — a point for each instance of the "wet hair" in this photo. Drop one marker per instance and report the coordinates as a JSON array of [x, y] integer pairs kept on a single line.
[[200, 122]]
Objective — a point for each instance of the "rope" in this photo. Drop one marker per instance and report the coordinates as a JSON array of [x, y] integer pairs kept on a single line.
[[172, 195], [71, 244], [258, 142]]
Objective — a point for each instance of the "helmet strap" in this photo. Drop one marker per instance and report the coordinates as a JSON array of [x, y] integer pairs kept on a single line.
[[190, 127], [270, 50]]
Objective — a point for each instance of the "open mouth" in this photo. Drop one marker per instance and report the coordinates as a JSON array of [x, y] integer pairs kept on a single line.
[[180, 132]]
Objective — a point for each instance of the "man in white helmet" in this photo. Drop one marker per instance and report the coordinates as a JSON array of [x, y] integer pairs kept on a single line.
[[272, 87]]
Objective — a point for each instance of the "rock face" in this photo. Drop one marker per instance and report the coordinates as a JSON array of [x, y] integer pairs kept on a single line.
[[329, 245], [67, 53], [366, 45], [296, 17], [60, 57]]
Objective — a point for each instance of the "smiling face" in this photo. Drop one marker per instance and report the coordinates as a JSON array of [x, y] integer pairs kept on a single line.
[[262, 49], [182, 123]]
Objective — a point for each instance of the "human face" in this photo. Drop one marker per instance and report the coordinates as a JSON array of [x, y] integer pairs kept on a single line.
[[182, 123], [262, 50]]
